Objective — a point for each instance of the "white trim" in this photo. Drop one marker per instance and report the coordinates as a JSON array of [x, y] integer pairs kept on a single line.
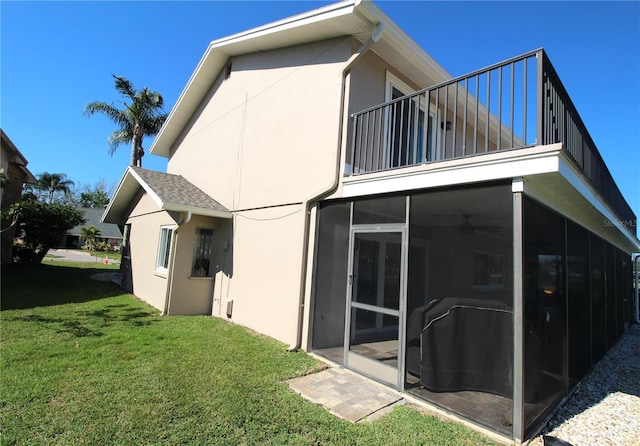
[[393, 80], [448, 174], [156, 199], [516, 165], [131, 182], [164, 245], [196, 210], [435, 113], [350, 17], [168, 206]]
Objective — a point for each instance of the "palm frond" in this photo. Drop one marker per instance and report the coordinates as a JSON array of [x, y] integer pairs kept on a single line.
[[119, 117], [153, 125], [125, 87], [119, 137], [145, 111]]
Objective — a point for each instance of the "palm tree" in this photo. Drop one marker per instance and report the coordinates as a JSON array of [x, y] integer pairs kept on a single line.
[[52, 183], [90, 236], [143, 115]]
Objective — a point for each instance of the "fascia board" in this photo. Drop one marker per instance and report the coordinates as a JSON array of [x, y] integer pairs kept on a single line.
[[197, 87], [491, 167], [15, 156], [214, 59], [196, 210], [30, 178], [400, 41], [129, 186], [329, 21], [279, 27], [155, 197], [124, 191], [570, 173]]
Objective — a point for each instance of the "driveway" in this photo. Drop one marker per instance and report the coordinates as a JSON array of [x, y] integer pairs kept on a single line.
[[74, 255]]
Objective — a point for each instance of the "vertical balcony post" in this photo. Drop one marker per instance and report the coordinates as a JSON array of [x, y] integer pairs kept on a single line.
[[426, 155], [354, 118], [539, 94], [524, 101]]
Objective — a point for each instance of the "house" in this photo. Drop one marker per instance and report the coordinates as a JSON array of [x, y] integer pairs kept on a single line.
[[109, 233], [330, 185], [13, 167]]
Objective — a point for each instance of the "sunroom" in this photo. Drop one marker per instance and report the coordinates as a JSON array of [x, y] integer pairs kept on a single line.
[[479, 256]]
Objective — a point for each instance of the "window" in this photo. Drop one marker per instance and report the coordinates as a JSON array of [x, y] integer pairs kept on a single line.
[[164, 248], [203, 247], [406, 143]]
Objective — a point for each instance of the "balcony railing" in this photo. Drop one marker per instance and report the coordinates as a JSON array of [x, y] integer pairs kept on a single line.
[[511, 105]]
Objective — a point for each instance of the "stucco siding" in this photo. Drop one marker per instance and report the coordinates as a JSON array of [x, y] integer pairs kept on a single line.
[[262, 272], [190, 295], [267, 135], [146, 220]]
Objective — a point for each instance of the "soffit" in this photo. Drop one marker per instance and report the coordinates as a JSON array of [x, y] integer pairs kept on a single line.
[[169, 192], [550, 177], [562, 193], [15, 156], [351, 17]]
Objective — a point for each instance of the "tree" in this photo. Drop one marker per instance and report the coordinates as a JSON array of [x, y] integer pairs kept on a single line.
[[52, 183], [141, 116], [94, 196], [95, 199], [4, 178], [90, 236], [41, 226]]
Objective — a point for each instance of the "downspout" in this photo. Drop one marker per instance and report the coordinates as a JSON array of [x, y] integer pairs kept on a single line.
[[174, 244], [331, 187]]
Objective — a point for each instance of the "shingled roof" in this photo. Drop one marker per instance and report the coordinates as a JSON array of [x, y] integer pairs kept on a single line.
[[170, 192], [107, 230]]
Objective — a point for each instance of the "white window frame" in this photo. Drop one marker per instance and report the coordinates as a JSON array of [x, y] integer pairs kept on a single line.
[[392, 81], [163, 255]]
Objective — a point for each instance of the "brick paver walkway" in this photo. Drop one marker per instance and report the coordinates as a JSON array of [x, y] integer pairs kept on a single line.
[[346, 394]]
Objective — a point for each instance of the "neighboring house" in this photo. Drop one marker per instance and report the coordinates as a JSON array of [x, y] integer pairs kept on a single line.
[[109, 233], [330, 185], [14, 165]]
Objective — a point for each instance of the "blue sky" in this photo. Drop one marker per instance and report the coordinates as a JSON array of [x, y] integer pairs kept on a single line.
[[57, 56]]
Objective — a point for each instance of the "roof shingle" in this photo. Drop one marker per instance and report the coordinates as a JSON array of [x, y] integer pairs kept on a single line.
[[177, 190]]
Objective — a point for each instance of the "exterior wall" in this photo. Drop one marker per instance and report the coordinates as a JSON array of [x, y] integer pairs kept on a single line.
[[260, 272], [267, 135], [190, 295], [366, 88], [4, 165], [146, 220], [368, 81]]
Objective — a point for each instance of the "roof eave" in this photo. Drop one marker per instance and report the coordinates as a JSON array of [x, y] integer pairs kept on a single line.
[[196, 210], [214, 59], [336, 19], [109, 215], [131, 184]]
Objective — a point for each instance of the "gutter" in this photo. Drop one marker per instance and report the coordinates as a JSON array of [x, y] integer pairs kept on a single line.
[[174, 244], [332, 186]]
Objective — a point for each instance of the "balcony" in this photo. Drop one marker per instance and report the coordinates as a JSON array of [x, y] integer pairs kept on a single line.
[[515, 104]]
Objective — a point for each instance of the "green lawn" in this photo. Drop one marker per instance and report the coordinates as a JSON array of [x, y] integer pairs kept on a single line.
[[82, 363]]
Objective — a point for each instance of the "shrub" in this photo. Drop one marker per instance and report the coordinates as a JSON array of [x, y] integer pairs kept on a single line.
[[40, 227]]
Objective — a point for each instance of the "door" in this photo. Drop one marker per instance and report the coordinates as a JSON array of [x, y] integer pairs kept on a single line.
[[373, 335]]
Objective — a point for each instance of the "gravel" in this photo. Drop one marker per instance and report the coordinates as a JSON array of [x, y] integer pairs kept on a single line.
[[605, 407]]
